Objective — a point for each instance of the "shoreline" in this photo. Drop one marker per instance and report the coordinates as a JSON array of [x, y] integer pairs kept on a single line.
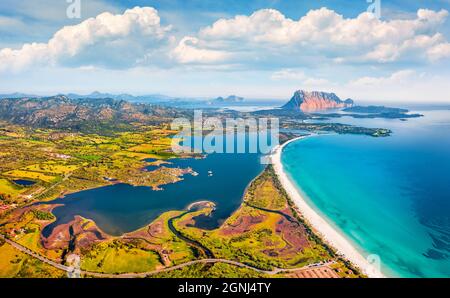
[[329, 234]]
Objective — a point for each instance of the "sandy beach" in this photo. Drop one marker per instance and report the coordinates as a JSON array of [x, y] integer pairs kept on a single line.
[[320, 225]]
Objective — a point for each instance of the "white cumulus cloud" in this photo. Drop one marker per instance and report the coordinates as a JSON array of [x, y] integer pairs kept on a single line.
[[107, 40], [324, 36], [266, 39], [396, 78], [188, 51], [288, 74], [298, 77]]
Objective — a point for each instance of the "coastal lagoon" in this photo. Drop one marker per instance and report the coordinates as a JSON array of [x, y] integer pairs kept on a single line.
[[122, 208], [388, 196]]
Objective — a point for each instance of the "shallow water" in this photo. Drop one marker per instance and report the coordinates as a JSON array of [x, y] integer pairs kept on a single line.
[[389, 196]]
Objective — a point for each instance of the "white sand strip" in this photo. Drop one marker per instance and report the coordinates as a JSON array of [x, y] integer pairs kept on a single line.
[[328, 234]]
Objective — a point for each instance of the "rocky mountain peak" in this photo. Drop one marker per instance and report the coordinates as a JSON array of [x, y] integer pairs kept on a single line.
[[316, 100]]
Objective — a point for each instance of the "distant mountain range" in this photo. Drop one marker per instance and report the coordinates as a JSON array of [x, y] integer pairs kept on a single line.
[[151, 98], [103, 112], [316, 100], [124, 96], [17, 95], [159, 99], [85, 114]]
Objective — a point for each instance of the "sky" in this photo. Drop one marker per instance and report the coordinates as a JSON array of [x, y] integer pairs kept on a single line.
[[261, 49]]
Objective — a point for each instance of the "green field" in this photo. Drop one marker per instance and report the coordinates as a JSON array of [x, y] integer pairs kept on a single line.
[[117, 257], [64, 162], [14, 263], [9, 189]]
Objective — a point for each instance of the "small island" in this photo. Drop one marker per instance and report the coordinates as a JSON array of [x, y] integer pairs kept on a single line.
[[229, 99], [375, 110]]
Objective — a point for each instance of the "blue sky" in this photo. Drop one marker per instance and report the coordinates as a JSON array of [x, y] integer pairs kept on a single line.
[[257, 49]]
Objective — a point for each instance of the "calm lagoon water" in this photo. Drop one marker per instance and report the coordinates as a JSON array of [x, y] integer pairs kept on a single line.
[[389, 196], [123, 208], [23, 182]]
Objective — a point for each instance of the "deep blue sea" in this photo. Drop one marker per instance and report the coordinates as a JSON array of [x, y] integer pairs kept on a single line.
[[389, 196]]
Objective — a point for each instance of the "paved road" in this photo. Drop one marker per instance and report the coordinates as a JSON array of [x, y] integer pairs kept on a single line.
[[33, 254], [145, 274]]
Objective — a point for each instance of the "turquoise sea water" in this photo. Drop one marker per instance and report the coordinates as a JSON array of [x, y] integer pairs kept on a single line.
[[389, 196]]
